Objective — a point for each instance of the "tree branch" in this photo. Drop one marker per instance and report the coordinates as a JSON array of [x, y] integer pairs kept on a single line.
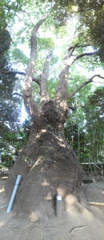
[[71, 107], [83, 55], [37, 80], [74, 58], [44, 78], [27, 86], [18, 94], [62, 89], [69, 59], [83, 84], [12, 72], [72, 48]]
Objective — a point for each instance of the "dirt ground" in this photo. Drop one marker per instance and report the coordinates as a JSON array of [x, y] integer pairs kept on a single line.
[[87, 224]]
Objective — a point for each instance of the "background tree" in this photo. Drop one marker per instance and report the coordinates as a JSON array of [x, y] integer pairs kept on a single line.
[[84, 128], [91, 15], [94, 124], [10, 105]]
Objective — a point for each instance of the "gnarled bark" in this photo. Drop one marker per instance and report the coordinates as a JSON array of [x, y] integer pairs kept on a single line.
[[47, 164]]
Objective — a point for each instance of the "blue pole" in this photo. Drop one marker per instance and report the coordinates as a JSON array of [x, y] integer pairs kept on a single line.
[[14, 193]]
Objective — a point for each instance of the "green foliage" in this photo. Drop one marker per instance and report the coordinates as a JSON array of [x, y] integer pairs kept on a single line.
[[19, 54], [9, 107], [52, 86], [8, 82], [92, 15], [95, 124], [4, 40], [85, 128], [7, 161], [11, 141], [45, 43]]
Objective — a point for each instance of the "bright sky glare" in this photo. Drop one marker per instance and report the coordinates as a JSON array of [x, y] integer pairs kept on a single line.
[[24, 114]]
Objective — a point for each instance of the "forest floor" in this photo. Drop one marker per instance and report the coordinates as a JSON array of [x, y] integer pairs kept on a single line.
[[73, 225]]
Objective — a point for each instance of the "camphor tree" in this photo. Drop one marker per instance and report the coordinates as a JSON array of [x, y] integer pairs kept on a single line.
[[47, 163]]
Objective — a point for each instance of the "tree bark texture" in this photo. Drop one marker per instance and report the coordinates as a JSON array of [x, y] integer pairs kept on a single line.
[[47, 163]]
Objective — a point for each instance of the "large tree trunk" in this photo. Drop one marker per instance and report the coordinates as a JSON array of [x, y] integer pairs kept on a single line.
[[47, 164]]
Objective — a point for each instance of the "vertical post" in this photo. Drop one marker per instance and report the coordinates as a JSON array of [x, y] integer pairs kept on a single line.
[[0, 157], [102, 169], [58, 206], [14, 193]]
